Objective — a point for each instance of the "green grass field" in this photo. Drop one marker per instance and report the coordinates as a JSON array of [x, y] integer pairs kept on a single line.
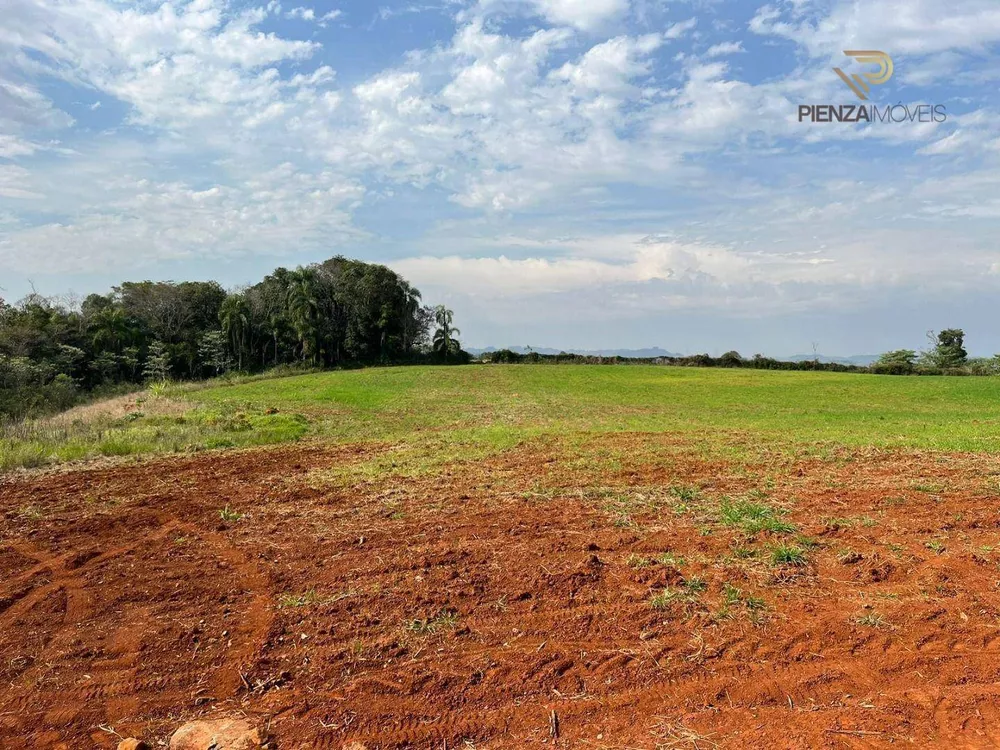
[[501, 405], [850, 409]]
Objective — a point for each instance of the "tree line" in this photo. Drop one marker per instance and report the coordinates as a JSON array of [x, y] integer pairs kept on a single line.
[[732, 359], [945, 355], [340, 312]]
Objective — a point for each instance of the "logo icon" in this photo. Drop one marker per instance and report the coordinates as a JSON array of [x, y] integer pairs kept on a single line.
[[855, 82]]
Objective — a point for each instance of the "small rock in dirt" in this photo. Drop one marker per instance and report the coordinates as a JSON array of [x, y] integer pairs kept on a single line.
[[355, 746], [132, 744], [225, 734]]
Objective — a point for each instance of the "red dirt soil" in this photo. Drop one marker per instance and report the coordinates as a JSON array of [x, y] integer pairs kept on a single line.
[[499, 606]]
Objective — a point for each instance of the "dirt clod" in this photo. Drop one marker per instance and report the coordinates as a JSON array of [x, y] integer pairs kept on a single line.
[[224, 734]]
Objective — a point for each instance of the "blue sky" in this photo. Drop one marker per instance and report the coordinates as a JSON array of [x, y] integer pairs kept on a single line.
[[568, 173]]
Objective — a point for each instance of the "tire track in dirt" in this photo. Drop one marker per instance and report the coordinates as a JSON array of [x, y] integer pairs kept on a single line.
[[255, 624], [61, 708], [450, 727], [115, 686], [64, 576]]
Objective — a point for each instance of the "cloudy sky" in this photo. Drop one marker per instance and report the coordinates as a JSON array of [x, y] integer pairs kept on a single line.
[[567, 173]]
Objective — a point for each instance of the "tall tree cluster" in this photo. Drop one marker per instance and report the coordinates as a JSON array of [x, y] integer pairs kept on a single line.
[[333, 313]]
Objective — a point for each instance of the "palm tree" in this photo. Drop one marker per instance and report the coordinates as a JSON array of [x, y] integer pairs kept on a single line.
[[112, 330], [276, 323], [303, 308], [445, 342], [235, 318]]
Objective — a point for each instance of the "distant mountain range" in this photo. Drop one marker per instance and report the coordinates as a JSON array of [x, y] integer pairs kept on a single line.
[[857, 359], [632, 353]]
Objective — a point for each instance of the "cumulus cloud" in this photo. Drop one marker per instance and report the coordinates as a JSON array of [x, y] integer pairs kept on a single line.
[[174, 64], [646, 259], [635, 275], [724, 48], [915, 27], [309, 14], [272, 213], [24, 109], [679, 29], [585, 15], [306, 14]]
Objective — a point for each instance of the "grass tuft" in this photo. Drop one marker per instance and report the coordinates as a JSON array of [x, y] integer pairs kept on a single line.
[[754, 518], [666, 598], [687, 593], [695, 584], [788, 554], [671, 560]]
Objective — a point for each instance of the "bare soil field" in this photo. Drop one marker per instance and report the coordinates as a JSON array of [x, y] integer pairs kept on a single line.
[[533, 598]]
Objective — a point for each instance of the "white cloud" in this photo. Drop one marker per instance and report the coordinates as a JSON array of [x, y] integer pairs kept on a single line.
[[272, 213], [975, 133], [724, 48], [23, 108], [309, 14], [15, 183], [900, 27], [610, 66], [585, 15], [677, 30], [645, 259], [305, 14], [174, 64], [587, 279], [12, 147]]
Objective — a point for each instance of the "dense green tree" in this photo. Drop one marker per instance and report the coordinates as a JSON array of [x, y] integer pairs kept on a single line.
[[731, 359], [950, 348], [157, 367], [112, 330], [213, 351], [906, 357], [897, 362]]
